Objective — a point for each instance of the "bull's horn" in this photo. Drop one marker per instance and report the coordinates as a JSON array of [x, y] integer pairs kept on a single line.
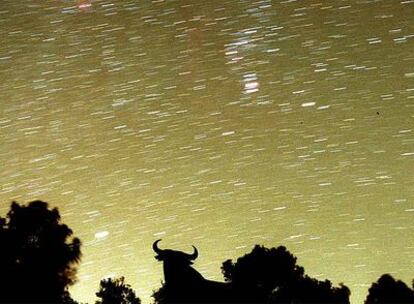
[[155, 247], [194, 255]]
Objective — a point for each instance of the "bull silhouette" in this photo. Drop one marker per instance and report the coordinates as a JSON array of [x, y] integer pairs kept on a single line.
[[184, 284]]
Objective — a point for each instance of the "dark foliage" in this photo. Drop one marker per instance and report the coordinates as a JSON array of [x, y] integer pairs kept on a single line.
[[264, 268], [115, 291], [159, 295], [38, 256], [275, 277], [67, 299], [309, 290], [388, 290]]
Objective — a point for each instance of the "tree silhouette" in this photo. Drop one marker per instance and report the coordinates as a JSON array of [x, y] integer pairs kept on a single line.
[[38, 256], [264, 268], [115, 291], [309, 290], [388, 290], [275, 277], [160, 296], [67, 299]]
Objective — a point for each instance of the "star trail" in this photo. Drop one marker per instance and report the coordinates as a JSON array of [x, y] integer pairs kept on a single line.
[[222, 124]]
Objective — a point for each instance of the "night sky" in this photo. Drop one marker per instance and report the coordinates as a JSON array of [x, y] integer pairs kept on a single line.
[[218, 123]]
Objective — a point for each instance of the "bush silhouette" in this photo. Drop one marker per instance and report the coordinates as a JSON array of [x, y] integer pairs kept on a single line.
[[275, 277], [160, 295], [38, 256], [264, 268], [115, 291], [388, 290], [310, 290]]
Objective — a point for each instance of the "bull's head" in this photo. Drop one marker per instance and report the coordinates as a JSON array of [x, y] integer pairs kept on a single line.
[[173, 255]]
